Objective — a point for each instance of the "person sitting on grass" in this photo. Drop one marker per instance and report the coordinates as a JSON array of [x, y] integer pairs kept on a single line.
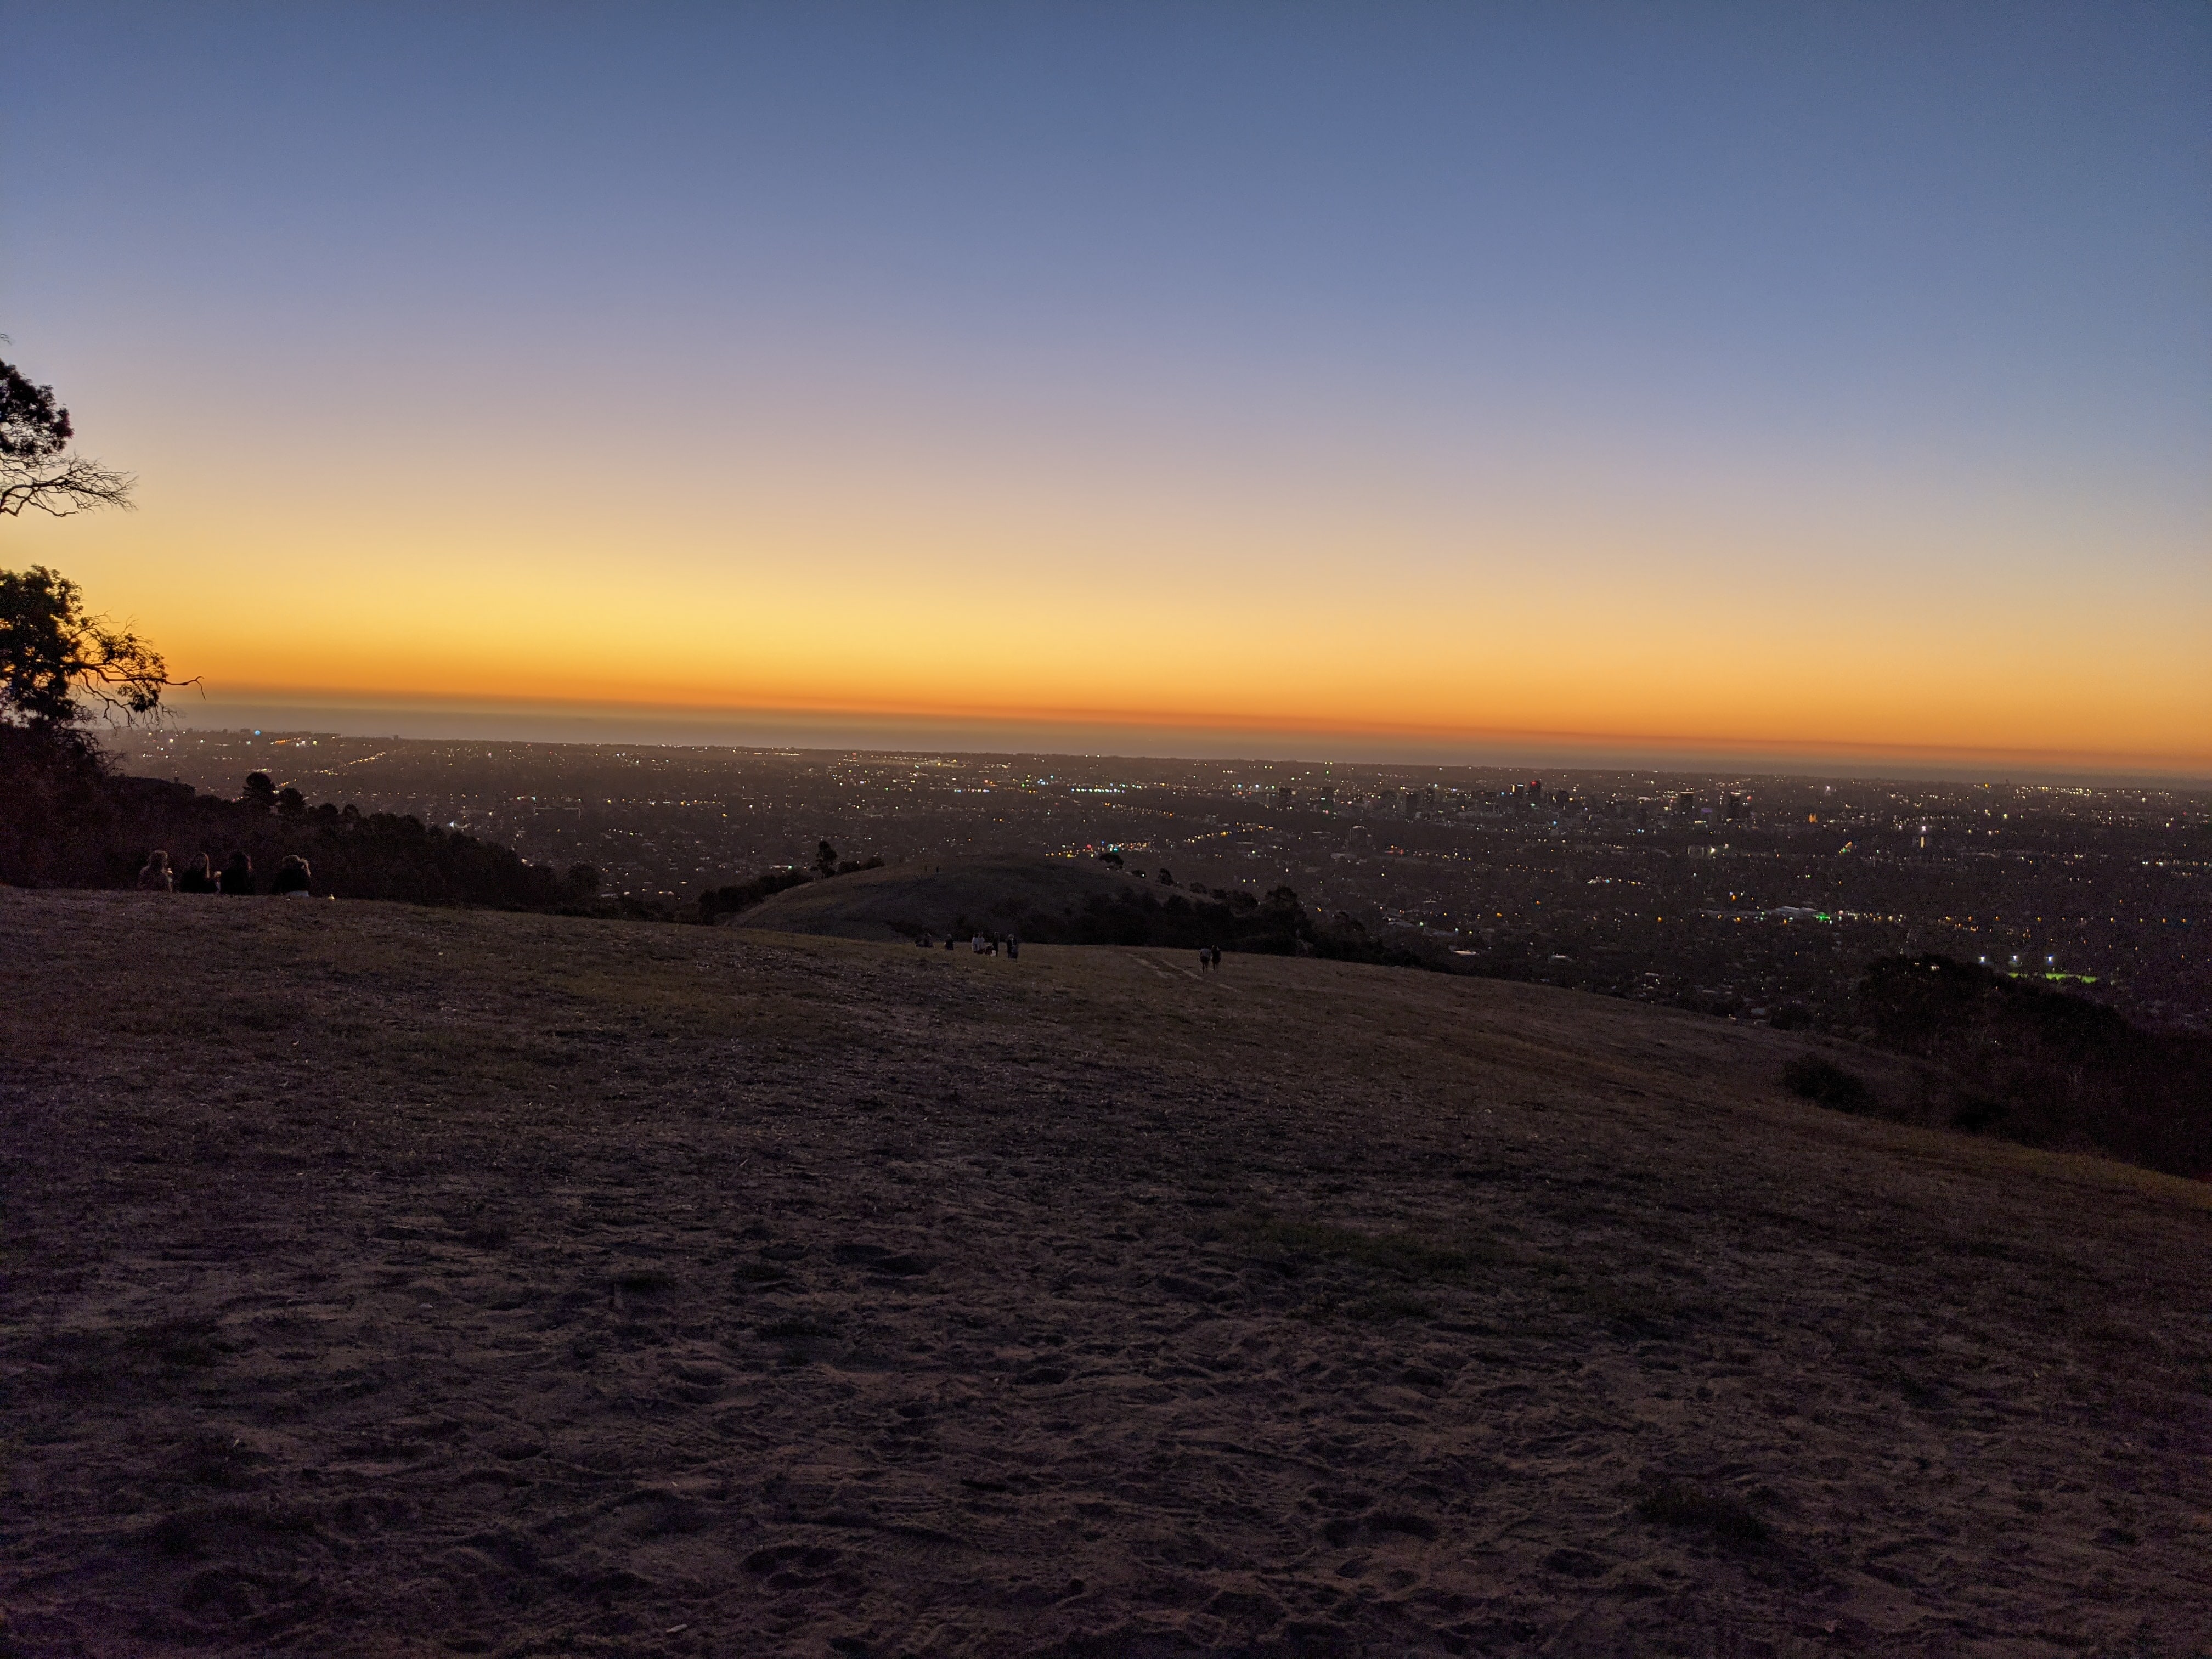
[[237, 874], [199, 877], [291, 878], [157, 876]]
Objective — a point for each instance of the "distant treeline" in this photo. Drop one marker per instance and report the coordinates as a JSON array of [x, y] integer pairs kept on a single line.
[[720, 902], [2030, 1063], [1276, 925], [66, 820]]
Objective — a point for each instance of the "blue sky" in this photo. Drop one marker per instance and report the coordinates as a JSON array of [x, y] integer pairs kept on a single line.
[[1822, 309]]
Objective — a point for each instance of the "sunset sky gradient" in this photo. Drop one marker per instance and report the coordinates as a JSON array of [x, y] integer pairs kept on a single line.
[[1795, 380]]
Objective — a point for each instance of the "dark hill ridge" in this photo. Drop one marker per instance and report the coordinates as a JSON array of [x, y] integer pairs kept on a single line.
[[1054, 901], [991, 895], [386, 1280]]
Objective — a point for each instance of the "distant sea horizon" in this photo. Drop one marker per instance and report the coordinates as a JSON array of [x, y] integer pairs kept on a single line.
[[677, 726]]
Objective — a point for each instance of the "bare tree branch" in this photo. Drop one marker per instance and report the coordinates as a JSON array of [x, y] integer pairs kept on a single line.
[[61, 486]]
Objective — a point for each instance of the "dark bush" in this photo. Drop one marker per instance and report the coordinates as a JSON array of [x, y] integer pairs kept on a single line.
[[1975, 1115], [728, 901], [1826, 1084], [2044, 1067], [65, 821]]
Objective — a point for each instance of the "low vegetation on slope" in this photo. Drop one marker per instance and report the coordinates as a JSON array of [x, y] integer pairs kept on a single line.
[[68, 821], [389, 1279], [1043, 900], [2032, 1064]]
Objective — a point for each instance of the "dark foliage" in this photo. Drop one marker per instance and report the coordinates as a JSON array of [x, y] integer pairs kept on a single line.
[[2046, 1068], [1826, 1084], [53, 655], [66, 822], [33, 426], [1139, 915], [728, 901], [1277, 925]]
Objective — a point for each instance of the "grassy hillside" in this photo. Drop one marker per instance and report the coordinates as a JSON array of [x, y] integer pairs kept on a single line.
[[394, 1281], [990, 894]]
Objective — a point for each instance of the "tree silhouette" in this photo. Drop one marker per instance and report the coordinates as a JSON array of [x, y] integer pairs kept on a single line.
[[53, 656], [36, 468]]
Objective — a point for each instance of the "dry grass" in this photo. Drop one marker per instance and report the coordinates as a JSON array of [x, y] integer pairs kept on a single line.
[[385, 1281]]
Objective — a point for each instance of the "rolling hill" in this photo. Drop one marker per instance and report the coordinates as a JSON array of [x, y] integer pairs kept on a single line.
[[993, 895], [388, 1281]]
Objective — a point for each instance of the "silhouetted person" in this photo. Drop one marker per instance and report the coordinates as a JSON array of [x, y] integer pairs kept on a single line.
[[199, 877], [1013, 946], [1205, 958], [157, 876], [237, 874], [291, 878]]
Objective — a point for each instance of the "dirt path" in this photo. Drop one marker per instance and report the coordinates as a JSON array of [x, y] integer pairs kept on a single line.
[[384, 1281]]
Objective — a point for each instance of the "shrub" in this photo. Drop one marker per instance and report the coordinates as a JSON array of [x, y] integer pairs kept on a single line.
[[1826, 1084]]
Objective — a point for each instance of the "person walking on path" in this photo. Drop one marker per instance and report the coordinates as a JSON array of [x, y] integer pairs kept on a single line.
[[157, 876]]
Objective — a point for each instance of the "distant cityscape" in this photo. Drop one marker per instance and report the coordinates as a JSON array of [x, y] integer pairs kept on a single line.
[[1754, 898]]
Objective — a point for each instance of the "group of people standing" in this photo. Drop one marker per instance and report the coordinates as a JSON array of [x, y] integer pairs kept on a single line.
[[293, 878], [1209, 958]]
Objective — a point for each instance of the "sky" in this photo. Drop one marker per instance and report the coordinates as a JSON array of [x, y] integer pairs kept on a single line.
[[1803, 381]]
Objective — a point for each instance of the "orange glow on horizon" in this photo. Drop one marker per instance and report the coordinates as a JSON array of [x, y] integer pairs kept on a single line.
[[1351, 612]]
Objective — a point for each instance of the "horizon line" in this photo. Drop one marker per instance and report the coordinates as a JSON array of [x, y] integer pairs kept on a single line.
[[1103, 734]]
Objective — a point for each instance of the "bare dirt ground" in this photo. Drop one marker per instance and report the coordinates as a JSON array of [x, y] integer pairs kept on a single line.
[[385, 1281]]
